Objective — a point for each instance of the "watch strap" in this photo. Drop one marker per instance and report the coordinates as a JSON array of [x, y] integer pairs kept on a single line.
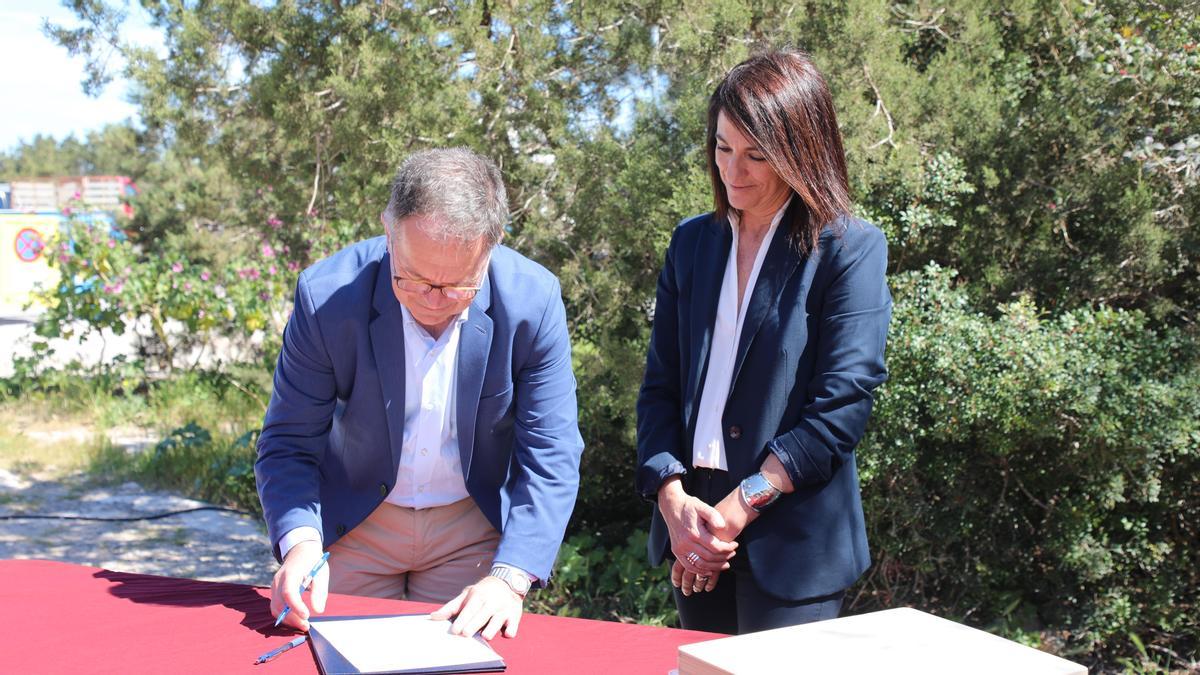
[[517, 579]]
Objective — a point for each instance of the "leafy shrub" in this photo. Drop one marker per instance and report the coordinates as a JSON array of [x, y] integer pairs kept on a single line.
[[1035, 475], [217, 468], [614, 583], [110, 282]]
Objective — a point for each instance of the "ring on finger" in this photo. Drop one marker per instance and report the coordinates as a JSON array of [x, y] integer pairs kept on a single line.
[[693, 557]]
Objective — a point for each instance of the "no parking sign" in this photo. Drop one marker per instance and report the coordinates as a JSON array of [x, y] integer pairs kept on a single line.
[[25, 252], [29, 245]]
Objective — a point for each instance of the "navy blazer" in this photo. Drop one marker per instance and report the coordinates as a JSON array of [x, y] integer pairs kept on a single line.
[[809, 355], [331, 441]]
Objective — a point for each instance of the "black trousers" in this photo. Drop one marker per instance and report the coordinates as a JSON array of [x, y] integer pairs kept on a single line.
[[737, 605]]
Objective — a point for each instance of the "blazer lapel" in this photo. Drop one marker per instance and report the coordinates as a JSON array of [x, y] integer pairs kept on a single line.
[[708, 269], [387, 344], [474, 345], [778, 266]]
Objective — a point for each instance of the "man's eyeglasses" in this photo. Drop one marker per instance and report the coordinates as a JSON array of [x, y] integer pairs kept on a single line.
[[424, 288]]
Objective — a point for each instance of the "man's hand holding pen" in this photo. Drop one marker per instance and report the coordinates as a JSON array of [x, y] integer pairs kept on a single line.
[[292, 576]]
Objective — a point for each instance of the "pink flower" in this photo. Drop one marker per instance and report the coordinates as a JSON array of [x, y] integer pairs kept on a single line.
[[112, 244], [66, 211], [204, 275], [274, 222], [63, 259], [187, 286], [264, 296], [293, 265], [177, 268], [271, 270], [76, 195], [267, 251], [200, 314]]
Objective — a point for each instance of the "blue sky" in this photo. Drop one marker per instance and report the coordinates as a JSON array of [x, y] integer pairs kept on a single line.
[[41, 83], [40, 90]]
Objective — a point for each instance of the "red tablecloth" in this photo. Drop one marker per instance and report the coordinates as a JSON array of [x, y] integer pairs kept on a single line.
[[61, 618]]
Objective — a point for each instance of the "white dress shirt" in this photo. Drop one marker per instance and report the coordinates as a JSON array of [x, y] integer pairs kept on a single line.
[[430, 471], [708, 446]]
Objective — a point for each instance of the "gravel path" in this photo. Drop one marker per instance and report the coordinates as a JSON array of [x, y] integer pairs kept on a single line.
[[210, 545]]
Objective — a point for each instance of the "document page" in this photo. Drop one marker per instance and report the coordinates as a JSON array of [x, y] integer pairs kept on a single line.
[[398, 644]]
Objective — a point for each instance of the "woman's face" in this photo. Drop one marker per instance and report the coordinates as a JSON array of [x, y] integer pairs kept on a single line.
[[752, 185]]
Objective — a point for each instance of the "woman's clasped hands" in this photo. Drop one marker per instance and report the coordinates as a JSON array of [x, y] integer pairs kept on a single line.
[[702, 537]]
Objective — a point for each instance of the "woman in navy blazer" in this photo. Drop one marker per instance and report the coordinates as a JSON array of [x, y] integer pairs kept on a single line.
[[768, 340]]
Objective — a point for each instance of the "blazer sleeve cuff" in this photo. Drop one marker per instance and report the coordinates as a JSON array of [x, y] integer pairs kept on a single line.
[[656, 470], [787, 449], [295, 536], [291, 520]]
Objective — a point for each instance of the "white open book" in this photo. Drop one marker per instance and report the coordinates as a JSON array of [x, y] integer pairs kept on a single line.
[[406, 643]]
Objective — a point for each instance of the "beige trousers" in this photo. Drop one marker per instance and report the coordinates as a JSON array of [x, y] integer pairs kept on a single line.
[[427, 555]]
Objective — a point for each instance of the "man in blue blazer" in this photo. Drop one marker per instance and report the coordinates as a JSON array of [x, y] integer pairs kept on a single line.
[[423, 423]]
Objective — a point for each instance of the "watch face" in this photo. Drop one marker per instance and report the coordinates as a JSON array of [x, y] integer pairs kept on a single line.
[[520, 582], [517, 581]]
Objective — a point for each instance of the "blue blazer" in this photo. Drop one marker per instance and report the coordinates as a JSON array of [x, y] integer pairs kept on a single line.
[[808, 357], [331, 441]]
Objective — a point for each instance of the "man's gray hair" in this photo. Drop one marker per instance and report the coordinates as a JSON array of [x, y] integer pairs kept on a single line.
[[459, 187]]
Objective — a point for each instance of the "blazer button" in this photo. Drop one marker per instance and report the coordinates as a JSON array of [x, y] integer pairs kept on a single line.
[[383, 491], [341, 529], [735, 432]]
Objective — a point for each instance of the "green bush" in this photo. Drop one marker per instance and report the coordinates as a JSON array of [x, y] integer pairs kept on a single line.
[[613, 583], [192, 460], [110, 282], [1036, 475]]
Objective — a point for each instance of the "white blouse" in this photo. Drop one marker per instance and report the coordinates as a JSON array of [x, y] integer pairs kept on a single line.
[[708, 446]]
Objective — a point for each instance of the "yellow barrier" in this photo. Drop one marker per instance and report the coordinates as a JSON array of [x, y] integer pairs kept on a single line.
[[24, 247]]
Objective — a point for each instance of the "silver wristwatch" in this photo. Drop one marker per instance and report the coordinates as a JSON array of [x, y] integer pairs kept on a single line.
[[757, 492], [517, 580]]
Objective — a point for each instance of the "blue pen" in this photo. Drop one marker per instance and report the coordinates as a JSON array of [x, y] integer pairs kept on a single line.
[[304, 587], [279, 650]]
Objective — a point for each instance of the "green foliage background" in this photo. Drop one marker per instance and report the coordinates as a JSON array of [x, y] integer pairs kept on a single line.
[[1031, 464]]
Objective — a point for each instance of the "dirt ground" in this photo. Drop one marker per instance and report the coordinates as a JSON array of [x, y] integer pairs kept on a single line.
[[211, 545]]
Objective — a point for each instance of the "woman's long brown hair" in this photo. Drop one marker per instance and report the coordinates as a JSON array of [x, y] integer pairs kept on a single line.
[[780, 101]]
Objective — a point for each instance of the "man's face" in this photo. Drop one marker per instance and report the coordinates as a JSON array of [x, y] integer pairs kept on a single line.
[[426, 270]]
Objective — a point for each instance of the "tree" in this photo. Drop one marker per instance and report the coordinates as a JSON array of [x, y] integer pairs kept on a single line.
[[116, 149]]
